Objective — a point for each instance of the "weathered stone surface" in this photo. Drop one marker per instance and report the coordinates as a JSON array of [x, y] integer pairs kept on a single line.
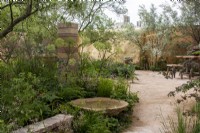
[[101, 104], [59, 121]]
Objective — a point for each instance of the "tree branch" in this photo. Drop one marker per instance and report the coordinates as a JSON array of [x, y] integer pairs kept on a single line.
[[13, 3], [91, 15], [11, 12], [94, 3], [14, 22]]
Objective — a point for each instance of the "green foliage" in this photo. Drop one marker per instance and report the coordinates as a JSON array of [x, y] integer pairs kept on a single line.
[[29, 86], [156, 36], [103, 46], [138, 67], [9, 47], [88, 68], [45, 69], [89, 85], [34, 87], [114, 124], [59, 42], [104, 87], [196, 128], [28, 91], [196, 53], [71, 93], [51, 48], [23, 12], [161, 65], [181, 126], [154, 68], [122, 70], [3, 127], [91, 123], [6, 72], [194, 84], [184, 124], [70, 41], [196, 109], [20, 101], [196, 122], [181, 123], [68, 109], [86, 121], [193, 124], [132, 98], [120, 90]]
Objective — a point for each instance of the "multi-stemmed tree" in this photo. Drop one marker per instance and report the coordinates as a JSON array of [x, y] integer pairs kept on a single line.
[[186, 20], [84, 12], [153, 37], [35, 22]]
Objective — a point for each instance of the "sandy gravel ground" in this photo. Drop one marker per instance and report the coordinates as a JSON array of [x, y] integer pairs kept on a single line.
[[154, 103]]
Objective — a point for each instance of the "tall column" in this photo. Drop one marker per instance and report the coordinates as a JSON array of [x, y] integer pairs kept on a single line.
[[68, 54]]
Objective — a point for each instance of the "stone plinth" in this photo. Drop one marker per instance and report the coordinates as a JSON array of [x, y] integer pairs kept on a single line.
[[100, 104]]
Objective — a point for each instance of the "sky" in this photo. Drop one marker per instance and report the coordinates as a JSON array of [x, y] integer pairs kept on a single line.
[[133, 6]]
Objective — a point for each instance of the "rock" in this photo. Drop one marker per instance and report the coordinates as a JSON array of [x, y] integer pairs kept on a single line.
[[60, 121]]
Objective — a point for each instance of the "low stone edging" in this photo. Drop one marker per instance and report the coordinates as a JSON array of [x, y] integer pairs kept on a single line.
[[59, 121]]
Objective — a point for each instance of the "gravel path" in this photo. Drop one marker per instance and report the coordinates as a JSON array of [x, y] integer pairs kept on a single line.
[[152, 89]]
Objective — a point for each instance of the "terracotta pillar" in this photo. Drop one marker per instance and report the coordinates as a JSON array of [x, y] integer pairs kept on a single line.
[[67, 55]]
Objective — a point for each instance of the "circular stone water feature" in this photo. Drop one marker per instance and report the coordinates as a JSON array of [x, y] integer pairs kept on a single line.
[[99, 104]]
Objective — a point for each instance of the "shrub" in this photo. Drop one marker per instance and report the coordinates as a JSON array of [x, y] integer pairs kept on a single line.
[[138, 67], [28, 90], [71, 93], [132, 98], [92, 122], [89, 68], [154, 68], [122, 70], [89, 122], [6, 72], [89, 85], [44, 69], [120, 90], [105, 87], [20, 101], [4, 128], [114, 124]]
